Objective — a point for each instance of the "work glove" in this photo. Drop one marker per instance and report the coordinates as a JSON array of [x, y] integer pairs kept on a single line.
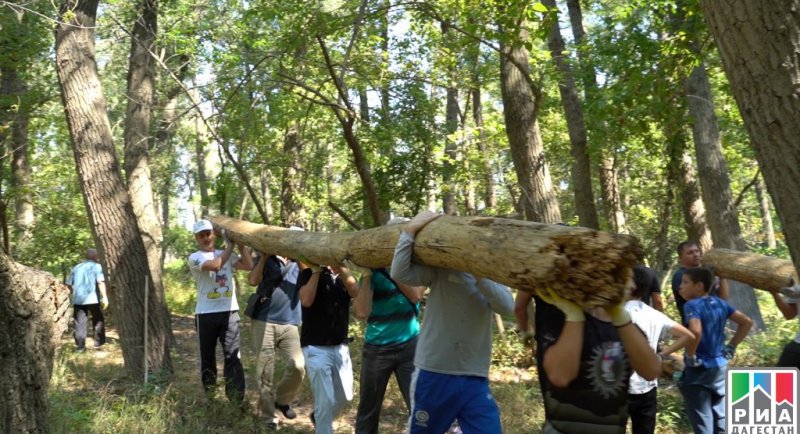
[[729, 351], [791, 291], [364, 271], [104, 303], [572, 311], [619, 316], [315, 268], [693, 362]]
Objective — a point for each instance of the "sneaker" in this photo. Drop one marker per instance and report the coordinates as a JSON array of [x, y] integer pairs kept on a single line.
[[272, 426], [287, 411], [98, 344]]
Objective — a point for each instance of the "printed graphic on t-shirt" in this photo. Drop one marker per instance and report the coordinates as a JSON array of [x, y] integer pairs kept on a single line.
[[222, 289], [607, 369]]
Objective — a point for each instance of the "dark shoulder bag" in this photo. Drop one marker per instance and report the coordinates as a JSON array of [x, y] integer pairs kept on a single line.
[[259, 299]]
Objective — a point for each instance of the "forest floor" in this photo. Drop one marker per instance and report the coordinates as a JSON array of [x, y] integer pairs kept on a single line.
[[89, 393]]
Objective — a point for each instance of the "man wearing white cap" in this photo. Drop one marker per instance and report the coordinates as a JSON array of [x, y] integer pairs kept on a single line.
[[217, 311]]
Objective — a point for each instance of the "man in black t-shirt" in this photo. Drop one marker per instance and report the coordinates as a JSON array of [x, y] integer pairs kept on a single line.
[[584, 360], [325, 294]]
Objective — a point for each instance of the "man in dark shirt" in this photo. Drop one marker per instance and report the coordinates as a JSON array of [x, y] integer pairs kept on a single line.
[[325, 294], [690, 256]]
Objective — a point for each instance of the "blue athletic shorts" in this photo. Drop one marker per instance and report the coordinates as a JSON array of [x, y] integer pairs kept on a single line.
[[439, 399]]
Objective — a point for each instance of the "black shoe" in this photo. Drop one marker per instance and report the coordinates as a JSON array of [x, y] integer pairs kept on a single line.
[[272, 426], [80, 350], [287, 411], [98, 344], [313, 421]]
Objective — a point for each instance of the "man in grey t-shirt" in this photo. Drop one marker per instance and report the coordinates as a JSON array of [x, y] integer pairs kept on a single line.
[[454, 350]]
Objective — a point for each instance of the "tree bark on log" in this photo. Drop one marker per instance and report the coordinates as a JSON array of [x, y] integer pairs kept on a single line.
[[584, 265], [34, 315], [758, 271]]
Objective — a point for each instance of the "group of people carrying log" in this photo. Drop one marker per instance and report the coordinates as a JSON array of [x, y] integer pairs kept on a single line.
[[596, 366]]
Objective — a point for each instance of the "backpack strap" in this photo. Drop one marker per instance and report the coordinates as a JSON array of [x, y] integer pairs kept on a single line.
[[385, 274]]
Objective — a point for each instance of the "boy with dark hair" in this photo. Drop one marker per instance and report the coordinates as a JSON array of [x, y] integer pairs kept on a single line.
[[703, 382], [690, 256], [642, 393]]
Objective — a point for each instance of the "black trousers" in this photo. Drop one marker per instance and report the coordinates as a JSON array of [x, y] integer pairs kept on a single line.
[[642, 411], [81, 315], [790, 357], [222, 327]]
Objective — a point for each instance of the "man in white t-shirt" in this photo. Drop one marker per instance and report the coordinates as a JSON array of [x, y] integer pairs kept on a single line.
[[642, 395], [788, 305], [217, 312]]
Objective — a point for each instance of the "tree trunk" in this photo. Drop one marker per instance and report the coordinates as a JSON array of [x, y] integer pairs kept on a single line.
[[766, 215], [292, 211], [108, 205], [200, 156], [449, 162], [663, 255], [34, 314], [758, 43], [609, 187], [722, 217], [576, 126], [520, 110], [166, 126], [489, 196], [141, 89], [759, 271], [693, 209], [13, 89], [590, 267], [346, 120]]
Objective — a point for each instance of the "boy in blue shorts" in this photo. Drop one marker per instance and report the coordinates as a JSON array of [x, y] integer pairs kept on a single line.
[[703, 383]]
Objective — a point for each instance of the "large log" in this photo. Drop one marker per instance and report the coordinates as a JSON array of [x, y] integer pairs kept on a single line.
[[758, 271], [584, 265]]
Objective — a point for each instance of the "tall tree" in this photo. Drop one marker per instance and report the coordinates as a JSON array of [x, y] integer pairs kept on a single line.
[[140, 94], [723, 220], [521, 102], [609, 185], [108, 204], [758, 43], [449, 185], [576, 126], [766, 214], [292, 211]]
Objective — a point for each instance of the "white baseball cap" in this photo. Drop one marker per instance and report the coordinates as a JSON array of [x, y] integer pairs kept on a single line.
[[202, 225]]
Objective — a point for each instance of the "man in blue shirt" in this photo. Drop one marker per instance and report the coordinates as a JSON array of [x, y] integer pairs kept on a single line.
[[87, 284]]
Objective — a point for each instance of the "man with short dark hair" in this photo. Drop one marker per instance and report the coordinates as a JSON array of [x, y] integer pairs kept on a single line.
[[86, 281], [217, 311], [690, 256]]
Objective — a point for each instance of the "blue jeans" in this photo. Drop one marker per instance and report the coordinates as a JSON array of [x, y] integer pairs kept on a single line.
[[378, 362], [703, 390]]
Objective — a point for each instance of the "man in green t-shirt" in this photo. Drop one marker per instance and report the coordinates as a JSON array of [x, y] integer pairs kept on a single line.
[[390, 310]]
